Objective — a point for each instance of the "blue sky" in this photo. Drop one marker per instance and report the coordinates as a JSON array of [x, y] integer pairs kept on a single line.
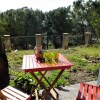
[[44, 5]]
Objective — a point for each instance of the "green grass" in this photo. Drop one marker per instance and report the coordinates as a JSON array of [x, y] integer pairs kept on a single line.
[[92, 51], [15, 58], [77, 55]]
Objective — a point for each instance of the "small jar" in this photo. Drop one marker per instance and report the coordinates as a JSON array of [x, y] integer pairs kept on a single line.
[[39, 53]]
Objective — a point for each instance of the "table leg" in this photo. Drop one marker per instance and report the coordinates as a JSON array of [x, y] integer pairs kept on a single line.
[[39, 81], [51, 85], [32, 91], [43, 86]]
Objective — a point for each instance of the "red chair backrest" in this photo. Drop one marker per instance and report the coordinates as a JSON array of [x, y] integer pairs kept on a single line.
[[88, 92]]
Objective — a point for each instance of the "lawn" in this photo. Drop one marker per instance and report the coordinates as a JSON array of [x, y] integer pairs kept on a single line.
[[86, 62]]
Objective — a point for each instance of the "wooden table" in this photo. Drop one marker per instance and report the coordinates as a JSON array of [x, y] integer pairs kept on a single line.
[[31, 65]]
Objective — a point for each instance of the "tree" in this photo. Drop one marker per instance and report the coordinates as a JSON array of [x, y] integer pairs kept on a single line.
[[57, 22], [93, 16], [79, 21]]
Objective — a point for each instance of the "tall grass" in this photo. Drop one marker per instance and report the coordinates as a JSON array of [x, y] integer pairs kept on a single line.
[[76, 55]]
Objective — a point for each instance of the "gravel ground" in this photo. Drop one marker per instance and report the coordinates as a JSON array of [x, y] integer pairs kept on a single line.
[[68, 92]]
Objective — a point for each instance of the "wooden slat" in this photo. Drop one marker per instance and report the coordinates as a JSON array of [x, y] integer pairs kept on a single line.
[[24, 62], [36, 95], [27, 61], [14, 94], [98, 93], [84, 96], [90, 92], [94, 93], [54, 94], [9, 96], [31, 65], [17, 91], [34, 62], [80, 91]]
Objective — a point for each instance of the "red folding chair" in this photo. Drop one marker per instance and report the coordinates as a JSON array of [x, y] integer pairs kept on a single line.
[[88, 92]]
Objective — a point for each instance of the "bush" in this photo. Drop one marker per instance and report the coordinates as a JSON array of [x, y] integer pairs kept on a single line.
[[24, 82]]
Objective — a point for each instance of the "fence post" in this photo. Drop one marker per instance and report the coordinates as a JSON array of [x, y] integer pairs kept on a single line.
[[65, 40], [87, 38], [7, 43], [38, 39]]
